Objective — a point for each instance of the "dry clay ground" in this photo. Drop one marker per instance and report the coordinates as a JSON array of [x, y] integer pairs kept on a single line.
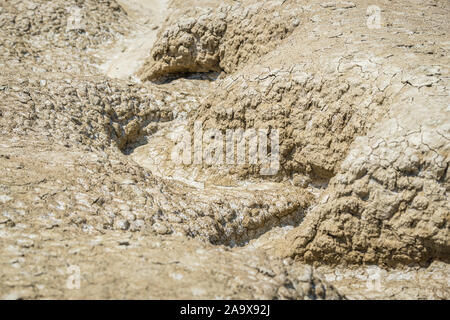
[[93, 92]]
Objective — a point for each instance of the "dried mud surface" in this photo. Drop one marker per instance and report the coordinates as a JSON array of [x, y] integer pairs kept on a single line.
[[93, 93]]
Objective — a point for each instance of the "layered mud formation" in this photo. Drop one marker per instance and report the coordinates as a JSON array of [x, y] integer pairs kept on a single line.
[[368, 126]]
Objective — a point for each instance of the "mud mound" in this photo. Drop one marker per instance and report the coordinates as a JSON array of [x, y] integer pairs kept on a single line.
[[95, 112], [88, 178]]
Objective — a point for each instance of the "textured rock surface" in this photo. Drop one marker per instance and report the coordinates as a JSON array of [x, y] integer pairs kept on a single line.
[[87, 178]]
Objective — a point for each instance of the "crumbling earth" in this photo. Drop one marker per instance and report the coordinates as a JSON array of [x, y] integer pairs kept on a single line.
[[94, 93]]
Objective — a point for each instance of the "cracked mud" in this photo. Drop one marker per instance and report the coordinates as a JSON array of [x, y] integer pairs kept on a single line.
[[94, 93]]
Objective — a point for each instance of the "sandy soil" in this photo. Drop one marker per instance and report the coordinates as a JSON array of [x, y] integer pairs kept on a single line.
[[93, 96]]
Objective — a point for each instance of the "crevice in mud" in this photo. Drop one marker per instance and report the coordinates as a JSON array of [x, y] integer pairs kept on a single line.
[[274, 227]]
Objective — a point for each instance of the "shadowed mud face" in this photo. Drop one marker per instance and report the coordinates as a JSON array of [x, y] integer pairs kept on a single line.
[[114, 120]]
